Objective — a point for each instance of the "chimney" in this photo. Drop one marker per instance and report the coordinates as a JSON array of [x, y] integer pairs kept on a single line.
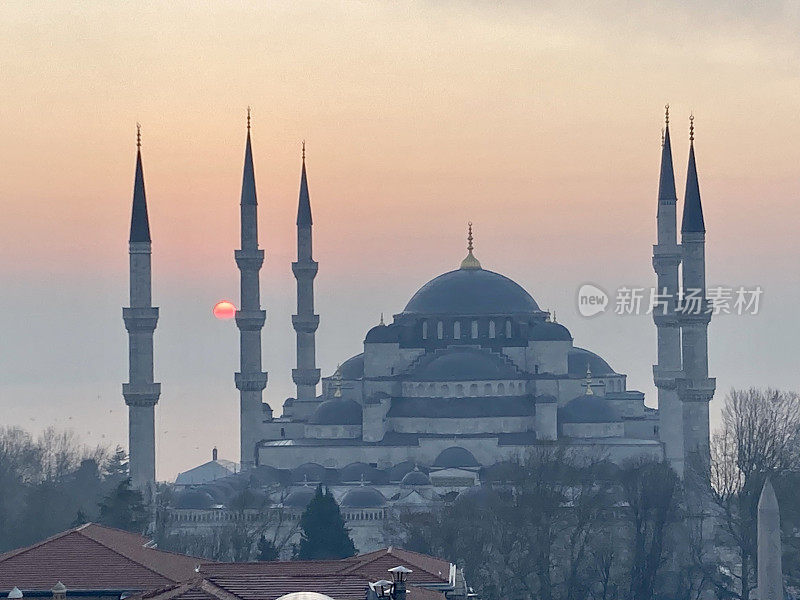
[[214, 453], [399, 575], [59, 591]]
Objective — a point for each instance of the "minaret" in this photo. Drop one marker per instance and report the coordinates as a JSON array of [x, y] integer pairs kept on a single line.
[[770, 571], [695, 388], [666, 258], [305, 322], [250, 380], [140, 393]]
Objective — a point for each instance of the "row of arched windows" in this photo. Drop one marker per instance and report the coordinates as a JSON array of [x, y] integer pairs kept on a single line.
[[460, 390], [474, 328]]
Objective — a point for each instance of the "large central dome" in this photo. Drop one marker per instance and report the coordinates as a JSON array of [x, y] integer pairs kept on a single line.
[[471, 292]]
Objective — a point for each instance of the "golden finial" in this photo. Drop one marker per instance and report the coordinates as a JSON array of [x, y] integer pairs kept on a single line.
[[382, 323], [691, 127], [337, 382], [470, 262], [554, 316], [138, 135], [248, 118], [304, 151], [666, 114], [589, 391]]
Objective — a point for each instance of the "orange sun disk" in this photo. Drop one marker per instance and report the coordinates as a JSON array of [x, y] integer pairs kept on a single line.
[[224, 310]]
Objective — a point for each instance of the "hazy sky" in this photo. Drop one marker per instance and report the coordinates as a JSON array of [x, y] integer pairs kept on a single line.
[[540, 122]]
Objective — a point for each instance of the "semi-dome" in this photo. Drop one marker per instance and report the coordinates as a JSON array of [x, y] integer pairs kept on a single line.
[[353, 368], [337, 412], [363, 496], [193, 500], [416, 477], [546, 331], [471, 292], [588, 408], [383, 334], [464, 364], [455, 457], [400, 470], [579, 358]]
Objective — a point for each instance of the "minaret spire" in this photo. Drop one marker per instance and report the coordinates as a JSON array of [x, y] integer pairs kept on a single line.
[[141, 393], [470, 262], [666, 259], [695, 388], [250, 380], [305, 322]]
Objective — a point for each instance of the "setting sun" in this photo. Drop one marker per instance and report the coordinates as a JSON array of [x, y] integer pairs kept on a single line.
[[224, 310]]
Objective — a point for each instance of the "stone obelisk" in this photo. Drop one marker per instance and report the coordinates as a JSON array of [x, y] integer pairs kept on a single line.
[[770, 574]]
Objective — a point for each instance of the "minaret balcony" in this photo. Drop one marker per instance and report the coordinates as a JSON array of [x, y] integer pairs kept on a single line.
[[670, 319], [306, 376], [249, 260], [696, 390], [305, 269], [141, 394], [250, 320], [140, 319], [305, 323], [250, 382], [666, 378]]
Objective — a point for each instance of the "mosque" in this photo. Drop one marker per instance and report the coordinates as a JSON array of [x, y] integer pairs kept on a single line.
[[470, 375]]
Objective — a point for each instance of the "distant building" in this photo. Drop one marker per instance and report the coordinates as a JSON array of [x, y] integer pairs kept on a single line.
[[216, 468]]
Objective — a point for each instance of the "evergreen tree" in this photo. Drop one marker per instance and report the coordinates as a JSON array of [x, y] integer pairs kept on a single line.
[[323, 534], [116, 468], [80, 519], [266, 550], [123, 508]]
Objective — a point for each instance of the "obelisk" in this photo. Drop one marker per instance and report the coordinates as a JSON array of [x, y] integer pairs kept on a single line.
[[770, 574]]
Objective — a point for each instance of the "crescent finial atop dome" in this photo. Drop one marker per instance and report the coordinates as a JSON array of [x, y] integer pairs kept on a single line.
[[470, 262]]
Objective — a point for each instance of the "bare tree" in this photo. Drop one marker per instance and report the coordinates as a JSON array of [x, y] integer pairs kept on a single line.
[[760, 436]]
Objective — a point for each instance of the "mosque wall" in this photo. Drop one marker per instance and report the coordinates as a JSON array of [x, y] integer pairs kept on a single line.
[[593, 430], [386, 360], [549, 357]]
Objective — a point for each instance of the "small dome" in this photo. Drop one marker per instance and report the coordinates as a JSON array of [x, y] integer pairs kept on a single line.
[[309, 472], [337, 412], [416, 477], [578, 359], [588, 408], [300, 497], [353, 368], [363, 496], [455, 457], [471, 292], [544, 331], [479, 495], [359, 471], [400, 470], [248, 498], [263, 475], [305, 596], [383, 334], [193, 499]]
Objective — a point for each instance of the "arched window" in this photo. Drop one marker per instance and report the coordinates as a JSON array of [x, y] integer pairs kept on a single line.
[[492, 332], [473, 389], [457, 330], [424, 330], [501, 389], [474, 329], [283, 432], [440, 330], [487, 389], [508, 328], [445, 390], [459, 390]]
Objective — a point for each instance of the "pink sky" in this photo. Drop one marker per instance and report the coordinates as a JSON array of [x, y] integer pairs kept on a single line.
[[541, 125]]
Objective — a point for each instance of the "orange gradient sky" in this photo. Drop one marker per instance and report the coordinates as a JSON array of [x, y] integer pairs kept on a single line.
[[540, 122]]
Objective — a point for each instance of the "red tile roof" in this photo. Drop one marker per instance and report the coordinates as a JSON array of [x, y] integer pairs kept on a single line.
[[93, 557]]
